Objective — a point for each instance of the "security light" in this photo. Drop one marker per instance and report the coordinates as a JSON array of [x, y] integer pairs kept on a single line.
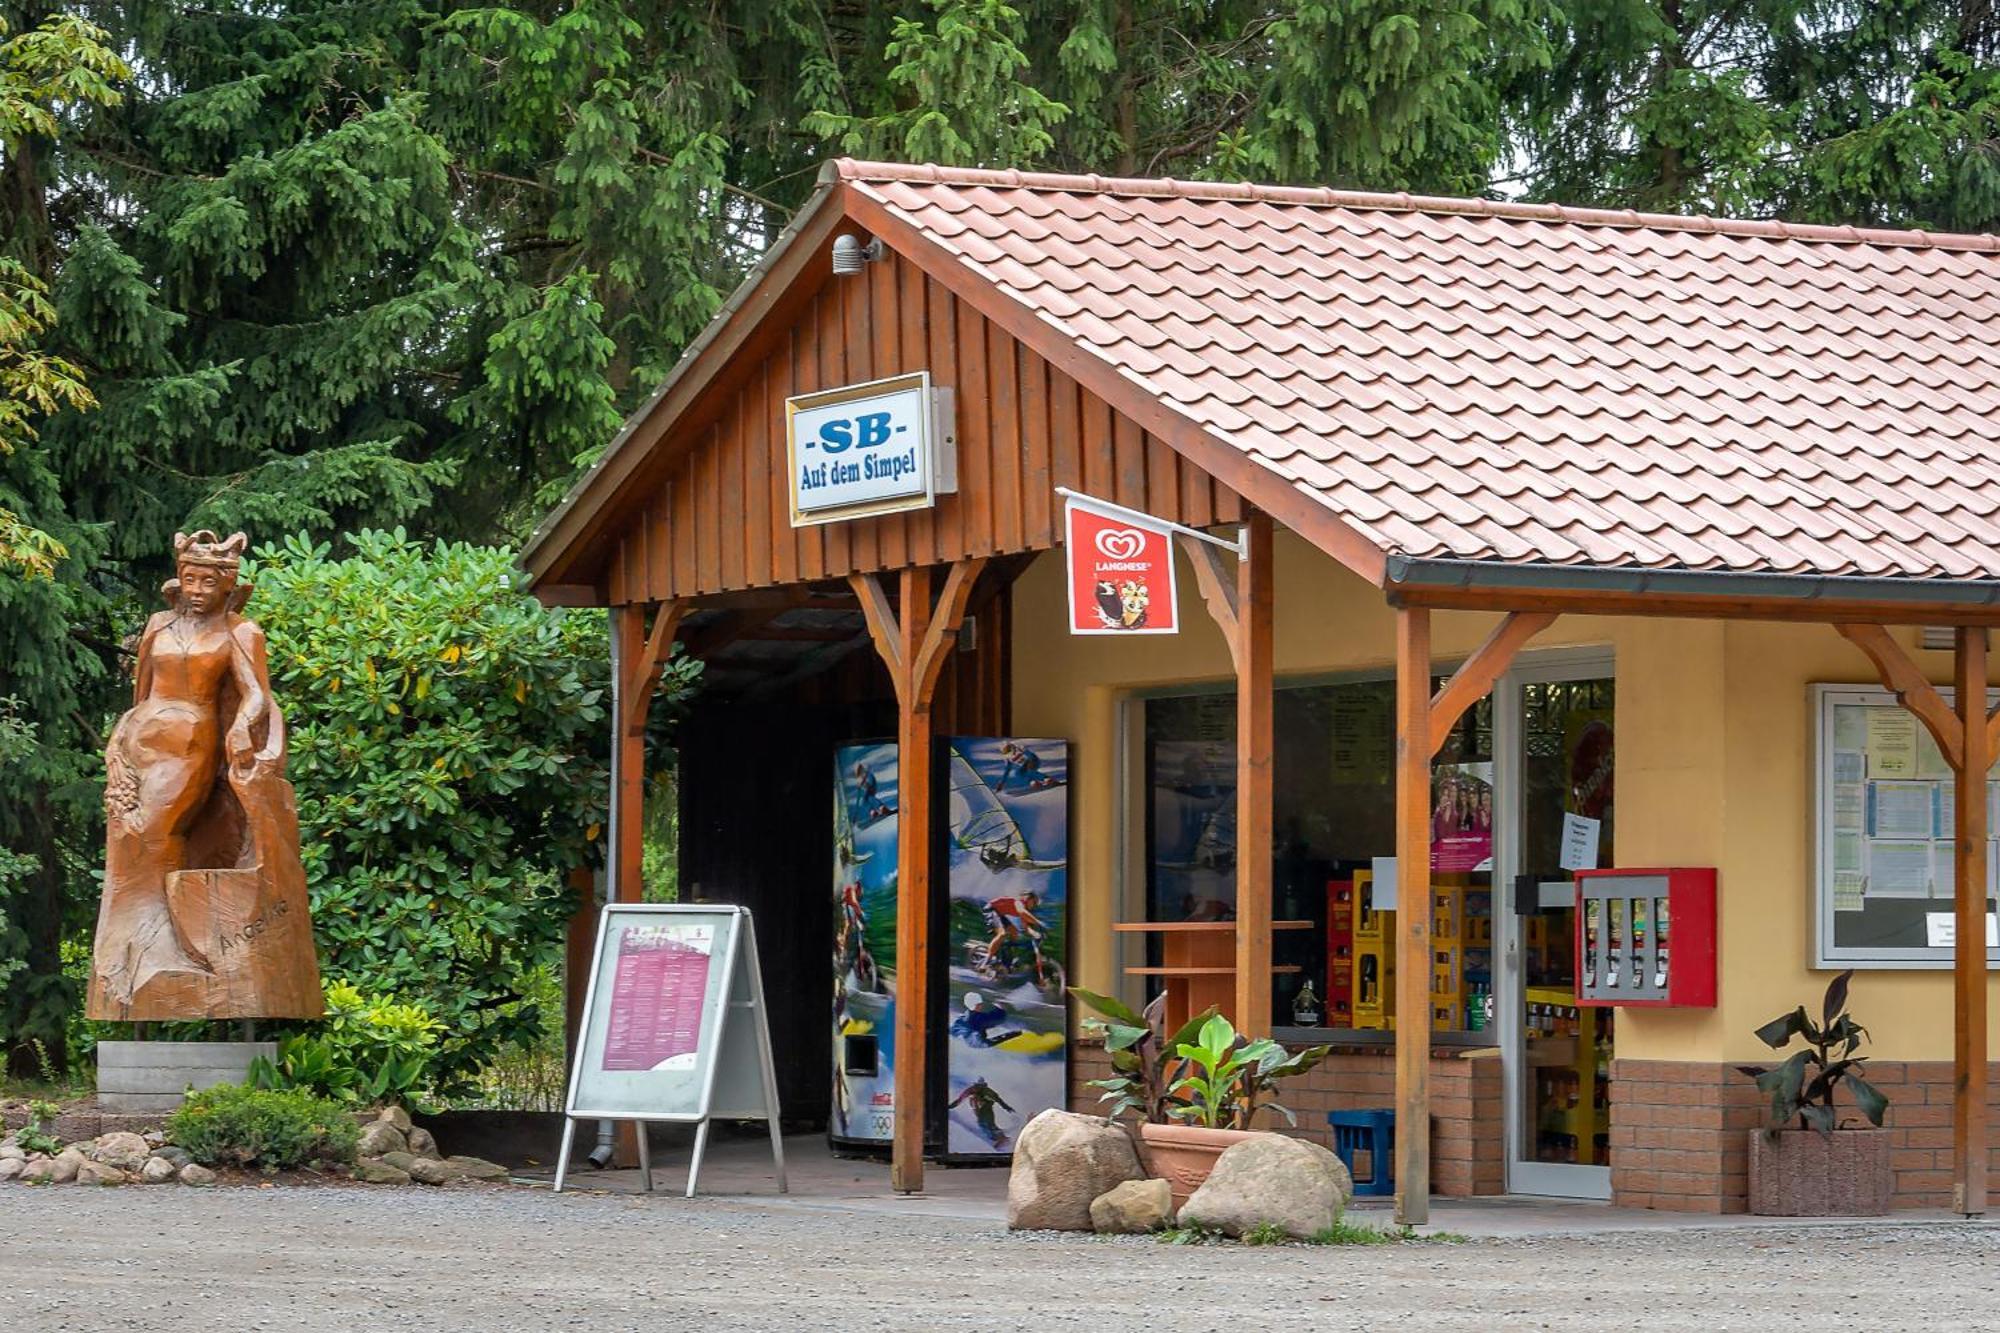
[[850, 255]]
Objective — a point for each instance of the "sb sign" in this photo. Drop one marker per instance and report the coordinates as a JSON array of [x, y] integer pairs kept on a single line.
[[872, 448], [1121, 574]]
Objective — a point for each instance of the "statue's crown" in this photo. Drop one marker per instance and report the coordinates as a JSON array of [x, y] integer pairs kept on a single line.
[[205, 548]]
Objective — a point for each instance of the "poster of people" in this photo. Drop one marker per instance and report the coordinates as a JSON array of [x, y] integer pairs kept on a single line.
[[864, 943], [1194, 830], [1007, 874], [1461, 817]]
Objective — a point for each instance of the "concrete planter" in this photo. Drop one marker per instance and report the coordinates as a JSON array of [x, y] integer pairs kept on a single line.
[[154, 1075], [1803, 1173], [1183, 1155]]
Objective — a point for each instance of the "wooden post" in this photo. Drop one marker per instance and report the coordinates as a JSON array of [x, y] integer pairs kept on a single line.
[[1966, 735], [1254, 789], [1413, 916], [638, 655], [1969, 1109], [914, 640]]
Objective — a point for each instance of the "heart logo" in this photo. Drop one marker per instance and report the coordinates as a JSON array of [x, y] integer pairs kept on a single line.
[[1120, 543]]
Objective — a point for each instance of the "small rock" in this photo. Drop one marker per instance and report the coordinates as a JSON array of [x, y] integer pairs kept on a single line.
[[400, 1160], [177, 1156], [1132, 1208], [397, 1116], [194, 1173], [1269, 1179], [477, 1168], [97, 1173], [378, 1137], [126, 1151], [39, 1171], [154, 1137], [11, 1167], [13, 1152], [422, 1144], [428, 1171], [157, 1171], [1062, 1162], [373, 1171]]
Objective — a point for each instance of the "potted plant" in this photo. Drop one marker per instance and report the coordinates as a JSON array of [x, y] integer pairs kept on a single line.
[[1822, 1165], [1193, 1092]]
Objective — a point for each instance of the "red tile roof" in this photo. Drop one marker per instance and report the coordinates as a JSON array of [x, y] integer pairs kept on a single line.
[[1464, 380]]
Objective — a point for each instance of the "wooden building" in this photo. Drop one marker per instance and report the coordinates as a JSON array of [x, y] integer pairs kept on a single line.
[[1690, 463]]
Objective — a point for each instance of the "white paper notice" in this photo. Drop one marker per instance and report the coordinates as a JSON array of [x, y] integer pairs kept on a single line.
[[1941, 930], [1899, 870], [1901, 809], [1892, 743], [1849, 891], [1848, 804], [1849, 766], [1579, 842]]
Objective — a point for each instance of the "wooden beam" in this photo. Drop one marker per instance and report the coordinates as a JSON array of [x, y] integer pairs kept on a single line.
[[1969, 831], [1905, 679], [1413, 916], [1993, 732], [628, 758], [942, 635], [1215, 575], [1474, 680], [1255, 790], [882, 627], [914, 763]]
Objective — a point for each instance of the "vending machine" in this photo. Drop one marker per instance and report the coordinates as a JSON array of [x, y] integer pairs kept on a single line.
[[1000, 943]]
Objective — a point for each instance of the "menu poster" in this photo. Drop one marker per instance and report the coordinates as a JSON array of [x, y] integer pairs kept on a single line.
[[658, 986]]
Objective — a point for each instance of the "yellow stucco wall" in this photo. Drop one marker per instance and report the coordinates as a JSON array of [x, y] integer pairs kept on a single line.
[[1712, 770]]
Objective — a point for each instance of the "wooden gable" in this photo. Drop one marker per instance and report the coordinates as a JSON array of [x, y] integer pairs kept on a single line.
[[714, 515]]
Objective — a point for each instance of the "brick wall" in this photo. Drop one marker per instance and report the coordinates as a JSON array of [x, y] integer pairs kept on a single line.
[[1679, 1133], [1466, 1136]]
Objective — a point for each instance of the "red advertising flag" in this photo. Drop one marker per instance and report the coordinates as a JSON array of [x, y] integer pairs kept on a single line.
[[1121, 574]]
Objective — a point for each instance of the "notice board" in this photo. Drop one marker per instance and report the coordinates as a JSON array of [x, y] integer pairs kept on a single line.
[[659, 1039], [1882, 833]]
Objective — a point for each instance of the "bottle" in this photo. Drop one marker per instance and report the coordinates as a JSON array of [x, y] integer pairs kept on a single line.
[[1305, 1007]]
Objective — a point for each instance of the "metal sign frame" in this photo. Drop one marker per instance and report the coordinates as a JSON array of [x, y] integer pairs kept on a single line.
[[739, 951], [935, 447]]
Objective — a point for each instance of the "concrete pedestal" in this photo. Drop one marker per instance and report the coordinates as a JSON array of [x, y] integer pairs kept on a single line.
[[154, 1075]]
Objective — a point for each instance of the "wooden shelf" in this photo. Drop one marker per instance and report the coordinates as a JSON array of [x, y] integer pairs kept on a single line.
[[1193, 971], [1205, 927]]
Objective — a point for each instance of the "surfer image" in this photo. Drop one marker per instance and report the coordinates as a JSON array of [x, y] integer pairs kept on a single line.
[[1024, 762], [976, 1025], [982, 1098]]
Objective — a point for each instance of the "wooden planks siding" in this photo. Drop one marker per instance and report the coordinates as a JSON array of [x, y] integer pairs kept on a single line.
[[720, 521]]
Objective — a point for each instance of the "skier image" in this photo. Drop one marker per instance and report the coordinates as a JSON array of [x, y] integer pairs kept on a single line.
[[976, 1024], [1025, 762], [983, 1099]]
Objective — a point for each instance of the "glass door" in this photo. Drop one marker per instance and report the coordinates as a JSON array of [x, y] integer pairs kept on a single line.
[[1554, 755]]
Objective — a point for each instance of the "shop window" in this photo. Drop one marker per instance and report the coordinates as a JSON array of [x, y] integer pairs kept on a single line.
[[1334, 813]]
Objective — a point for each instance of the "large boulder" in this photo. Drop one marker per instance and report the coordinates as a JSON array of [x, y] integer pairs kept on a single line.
[[422, 1144], [1294, 1185], [476, 1168], [40, 1170], [376, 1172], [157, 1171], [121, 1149], [64, 1167], [97, 1173], [430, 1171], [1133, 1208], [379, 1137], [194, 1173], [11, 1167], [397, 1116], [1062, 1163]]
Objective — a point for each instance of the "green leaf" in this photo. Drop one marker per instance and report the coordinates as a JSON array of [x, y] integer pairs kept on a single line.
[[1868, 1099], [1110, 1006]]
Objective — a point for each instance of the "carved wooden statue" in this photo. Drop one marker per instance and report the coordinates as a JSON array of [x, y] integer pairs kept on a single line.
[[205, 912]]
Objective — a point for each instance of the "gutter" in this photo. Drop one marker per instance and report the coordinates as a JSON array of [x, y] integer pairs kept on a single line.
[[1407, 573]]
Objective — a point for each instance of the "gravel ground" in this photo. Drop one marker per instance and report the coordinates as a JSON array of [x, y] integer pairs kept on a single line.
[[515, 1260]]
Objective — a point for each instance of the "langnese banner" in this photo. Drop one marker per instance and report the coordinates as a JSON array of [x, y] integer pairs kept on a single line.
[[1121, 573]]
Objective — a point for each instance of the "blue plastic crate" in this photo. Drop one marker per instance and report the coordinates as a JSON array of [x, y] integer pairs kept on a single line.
[[1372, 1132]]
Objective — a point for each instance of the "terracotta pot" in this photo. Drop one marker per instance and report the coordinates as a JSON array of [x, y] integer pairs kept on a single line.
[[1183, 1155], [1804, 1173]]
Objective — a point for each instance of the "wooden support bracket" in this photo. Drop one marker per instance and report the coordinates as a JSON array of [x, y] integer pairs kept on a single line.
[[1215, 575], [1474, 680], [642, 675], [1905, 679]]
